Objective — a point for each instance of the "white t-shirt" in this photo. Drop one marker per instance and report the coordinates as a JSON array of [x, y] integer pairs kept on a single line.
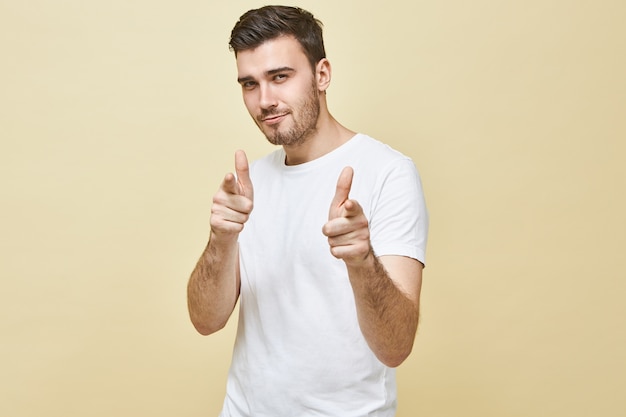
[[299, 350]]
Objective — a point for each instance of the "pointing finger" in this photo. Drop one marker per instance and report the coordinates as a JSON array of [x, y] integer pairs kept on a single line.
[[344, 184], [243, 174]]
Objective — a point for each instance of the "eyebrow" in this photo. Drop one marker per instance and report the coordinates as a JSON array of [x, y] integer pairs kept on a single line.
[[267, 73]]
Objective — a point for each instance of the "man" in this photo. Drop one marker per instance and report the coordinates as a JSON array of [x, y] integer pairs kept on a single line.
[[322, 241]]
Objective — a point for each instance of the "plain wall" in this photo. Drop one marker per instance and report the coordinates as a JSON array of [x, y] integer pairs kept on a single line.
[[118, 120]]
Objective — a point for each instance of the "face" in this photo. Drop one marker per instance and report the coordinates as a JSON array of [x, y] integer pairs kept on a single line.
[[279, 90]]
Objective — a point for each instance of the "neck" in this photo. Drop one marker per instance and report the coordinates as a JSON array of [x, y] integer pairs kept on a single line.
[[328, 136]]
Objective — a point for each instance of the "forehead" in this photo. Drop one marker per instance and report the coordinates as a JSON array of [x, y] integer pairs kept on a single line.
[[284, 51]]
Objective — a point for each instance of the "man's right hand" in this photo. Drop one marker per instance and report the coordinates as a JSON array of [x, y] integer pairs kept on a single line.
[[233, 202]]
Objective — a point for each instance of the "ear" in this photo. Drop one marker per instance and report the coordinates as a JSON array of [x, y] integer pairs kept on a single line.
[[323, 74]]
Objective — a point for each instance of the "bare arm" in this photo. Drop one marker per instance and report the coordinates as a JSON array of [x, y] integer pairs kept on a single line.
[[386, 289], [388, 311], [213, 287]]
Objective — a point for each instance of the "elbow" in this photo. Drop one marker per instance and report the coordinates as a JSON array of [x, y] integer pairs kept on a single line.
[[393, 352], [393, 359], [206, 321], [206, 327], [394, 356], [206, 330]]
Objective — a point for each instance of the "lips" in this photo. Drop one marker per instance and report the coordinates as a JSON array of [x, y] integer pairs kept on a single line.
[[272, 119]]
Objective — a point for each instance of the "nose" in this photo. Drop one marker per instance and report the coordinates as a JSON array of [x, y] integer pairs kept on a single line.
[[267, 97]]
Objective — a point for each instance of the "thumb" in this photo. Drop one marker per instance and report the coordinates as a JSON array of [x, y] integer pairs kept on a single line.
[[242, 169], [342, 192]]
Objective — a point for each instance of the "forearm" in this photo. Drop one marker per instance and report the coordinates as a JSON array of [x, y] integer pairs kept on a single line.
[[387, 317], [213, 287]]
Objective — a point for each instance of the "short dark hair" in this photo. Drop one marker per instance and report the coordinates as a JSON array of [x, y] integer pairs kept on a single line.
[[257, 26]]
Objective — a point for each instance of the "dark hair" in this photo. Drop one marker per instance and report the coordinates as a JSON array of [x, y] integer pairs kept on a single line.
[[269, 22]]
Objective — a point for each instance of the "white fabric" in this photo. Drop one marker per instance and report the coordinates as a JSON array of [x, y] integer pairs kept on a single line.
[[299, 350]]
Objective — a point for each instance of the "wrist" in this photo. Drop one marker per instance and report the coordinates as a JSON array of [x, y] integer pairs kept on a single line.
[[222, 239], [366, 261]]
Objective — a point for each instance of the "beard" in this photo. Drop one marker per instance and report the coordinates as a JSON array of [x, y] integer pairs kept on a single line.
[[304, 117]]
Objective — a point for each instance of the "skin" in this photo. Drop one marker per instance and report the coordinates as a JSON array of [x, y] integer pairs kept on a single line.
[[287, 100]]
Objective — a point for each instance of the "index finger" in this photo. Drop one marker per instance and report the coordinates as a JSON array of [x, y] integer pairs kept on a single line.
[[242, 169], [344, 184]]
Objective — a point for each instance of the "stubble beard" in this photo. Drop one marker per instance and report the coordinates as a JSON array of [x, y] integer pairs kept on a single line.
[[304, 123]]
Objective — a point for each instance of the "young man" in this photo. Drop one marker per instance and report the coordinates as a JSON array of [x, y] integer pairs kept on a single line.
[[322, 241]]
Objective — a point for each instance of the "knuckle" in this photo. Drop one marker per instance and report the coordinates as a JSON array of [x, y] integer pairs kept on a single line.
[[328, 229], [362, 221], [215, 211], [219, 198]]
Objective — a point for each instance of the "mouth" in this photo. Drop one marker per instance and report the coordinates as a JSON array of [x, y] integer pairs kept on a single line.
[[274, 118]]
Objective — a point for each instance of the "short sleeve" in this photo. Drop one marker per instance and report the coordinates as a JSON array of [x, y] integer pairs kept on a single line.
[[398, 216]]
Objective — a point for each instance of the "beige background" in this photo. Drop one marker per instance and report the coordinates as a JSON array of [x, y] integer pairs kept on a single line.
[[119, 118]]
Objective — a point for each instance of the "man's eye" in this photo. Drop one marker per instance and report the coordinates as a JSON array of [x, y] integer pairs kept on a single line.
[[280, 77], [248, 85]]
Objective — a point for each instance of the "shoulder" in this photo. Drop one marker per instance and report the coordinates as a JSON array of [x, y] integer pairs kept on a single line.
[[377, 159], [375, 155]]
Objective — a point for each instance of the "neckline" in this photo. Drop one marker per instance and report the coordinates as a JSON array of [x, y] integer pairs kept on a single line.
[[322, 160]]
